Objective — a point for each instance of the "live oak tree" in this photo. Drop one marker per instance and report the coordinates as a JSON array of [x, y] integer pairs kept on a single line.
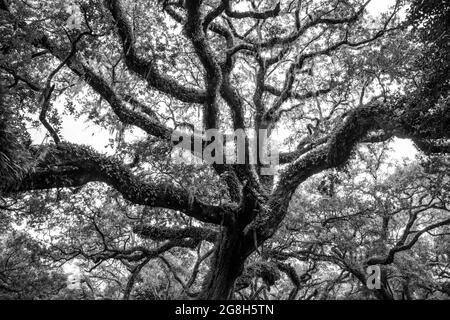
[[323, 71]]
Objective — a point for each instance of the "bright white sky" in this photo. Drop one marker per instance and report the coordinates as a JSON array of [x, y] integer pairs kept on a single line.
[[378, 6]]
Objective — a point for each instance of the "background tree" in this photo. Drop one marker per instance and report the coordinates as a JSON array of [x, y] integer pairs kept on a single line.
[[396, 220], [323, 71]]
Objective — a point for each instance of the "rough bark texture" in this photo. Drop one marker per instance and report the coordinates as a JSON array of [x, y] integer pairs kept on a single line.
[[227, 264]]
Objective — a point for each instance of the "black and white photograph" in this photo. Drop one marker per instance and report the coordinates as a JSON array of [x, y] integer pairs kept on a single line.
[[247, 151]]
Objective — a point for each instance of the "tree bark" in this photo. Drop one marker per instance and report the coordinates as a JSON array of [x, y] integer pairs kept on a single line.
[[227, 264]]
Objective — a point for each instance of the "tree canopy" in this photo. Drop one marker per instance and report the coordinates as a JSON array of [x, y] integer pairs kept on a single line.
[[332, 82]]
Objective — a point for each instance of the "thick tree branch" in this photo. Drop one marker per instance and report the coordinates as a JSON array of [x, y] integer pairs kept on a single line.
[[166, 233], [148, 69], [213, 79], [69, 165], [339, 147]]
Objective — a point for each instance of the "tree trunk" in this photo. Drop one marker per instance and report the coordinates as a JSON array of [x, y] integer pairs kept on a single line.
[[227, 264]]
